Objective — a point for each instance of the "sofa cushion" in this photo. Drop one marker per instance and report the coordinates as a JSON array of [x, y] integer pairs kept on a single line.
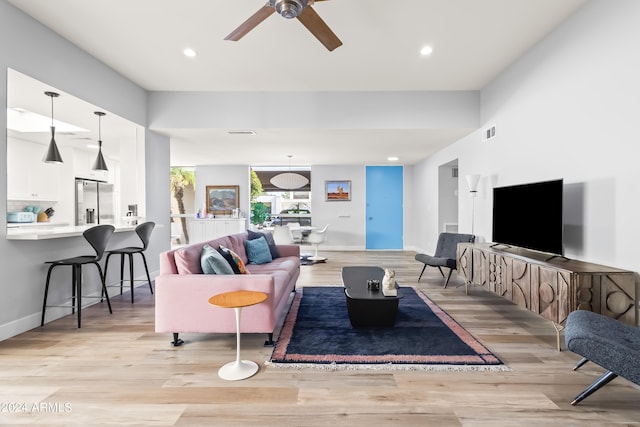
[[226, 255], [252, 235], [237, 263], [213, 263], [188, 259], [258, 251], [235, 242], [289, 265]]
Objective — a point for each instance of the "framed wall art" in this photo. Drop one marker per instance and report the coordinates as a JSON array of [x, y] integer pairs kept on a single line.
[[337, 190], [222, 199]]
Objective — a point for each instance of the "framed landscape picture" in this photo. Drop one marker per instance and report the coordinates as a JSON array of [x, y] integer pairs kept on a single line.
[[337, 190], [222, 199]]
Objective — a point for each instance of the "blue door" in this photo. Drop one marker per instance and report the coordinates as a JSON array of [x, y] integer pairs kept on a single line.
[[384, 207]]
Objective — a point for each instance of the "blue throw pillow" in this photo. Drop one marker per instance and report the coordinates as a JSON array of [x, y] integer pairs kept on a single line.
[[258, 251], [252, 235], [213, 263]]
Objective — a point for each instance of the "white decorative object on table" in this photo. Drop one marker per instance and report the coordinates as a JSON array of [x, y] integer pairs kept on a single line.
[[389, 283]]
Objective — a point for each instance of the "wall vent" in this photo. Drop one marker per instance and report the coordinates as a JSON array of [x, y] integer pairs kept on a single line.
[[489, 133], [454, 172]]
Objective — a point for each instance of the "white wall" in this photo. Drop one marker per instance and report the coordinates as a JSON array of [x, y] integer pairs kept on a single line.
[[327, 110], [28, 47], [447, 195], [157, 203], [346, 219], [567, 109], [223, 175], [347, 225]]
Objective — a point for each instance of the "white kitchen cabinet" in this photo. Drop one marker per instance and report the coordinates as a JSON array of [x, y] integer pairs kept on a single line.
[[203, 230], [28, 177]]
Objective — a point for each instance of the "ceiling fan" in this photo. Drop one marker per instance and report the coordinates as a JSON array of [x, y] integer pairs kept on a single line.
[[289, 9]]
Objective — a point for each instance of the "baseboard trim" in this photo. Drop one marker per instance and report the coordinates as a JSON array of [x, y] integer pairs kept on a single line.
[[329, 248], [312, 249], [32, 321]]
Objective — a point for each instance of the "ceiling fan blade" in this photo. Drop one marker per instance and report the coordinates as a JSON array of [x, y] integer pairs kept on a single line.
[[319, 28], [251, 23]]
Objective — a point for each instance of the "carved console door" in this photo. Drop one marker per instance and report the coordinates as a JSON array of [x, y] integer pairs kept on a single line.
[[500, 275], [610, 294], [550, 290]]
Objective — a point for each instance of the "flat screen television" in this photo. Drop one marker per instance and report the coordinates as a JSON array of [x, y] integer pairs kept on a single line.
[[529, 216]]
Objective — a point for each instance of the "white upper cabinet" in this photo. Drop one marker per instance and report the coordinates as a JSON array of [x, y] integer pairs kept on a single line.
[[28, 177]]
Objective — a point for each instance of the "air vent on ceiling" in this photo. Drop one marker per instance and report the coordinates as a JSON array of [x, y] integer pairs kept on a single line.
[[242, 132]]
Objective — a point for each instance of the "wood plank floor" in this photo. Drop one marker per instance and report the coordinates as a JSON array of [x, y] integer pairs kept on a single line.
[[117, 370]]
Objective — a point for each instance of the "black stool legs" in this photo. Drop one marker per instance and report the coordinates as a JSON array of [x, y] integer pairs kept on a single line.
[[76, 290], [129, 255]]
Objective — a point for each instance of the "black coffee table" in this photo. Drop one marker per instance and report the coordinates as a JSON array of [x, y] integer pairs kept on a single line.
[[366, 307]]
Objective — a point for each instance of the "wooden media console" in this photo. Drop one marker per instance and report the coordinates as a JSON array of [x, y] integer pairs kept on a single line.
[[550, 287]]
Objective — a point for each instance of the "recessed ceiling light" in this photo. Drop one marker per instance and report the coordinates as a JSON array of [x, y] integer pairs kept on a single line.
[[393, 158], [427, 50], [190, 53]]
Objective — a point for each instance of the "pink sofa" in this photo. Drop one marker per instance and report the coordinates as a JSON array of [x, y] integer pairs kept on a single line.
[[183, 291]]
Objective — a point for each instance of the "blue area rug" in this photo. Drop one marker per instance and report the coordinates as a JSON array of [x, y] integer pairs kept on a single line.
[[317, 333]]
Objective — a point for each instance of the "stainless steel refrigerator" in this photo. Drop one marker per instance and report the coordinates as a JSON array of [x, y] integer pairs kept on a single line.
[[94, 202]]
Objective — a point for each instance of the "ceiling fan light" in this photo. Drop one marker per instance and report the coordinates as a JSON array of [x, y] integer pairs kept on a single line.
[[289, 9]]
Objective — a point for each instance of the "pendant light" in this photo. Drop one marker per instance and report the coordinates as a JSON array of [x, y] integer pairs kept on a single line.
[[52, 155], [99, 164], [289, 180]]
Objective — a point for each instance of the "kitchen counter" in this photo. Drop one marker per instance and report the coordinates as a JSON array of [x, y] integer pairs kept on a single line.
[[56, 232], [36, 224]]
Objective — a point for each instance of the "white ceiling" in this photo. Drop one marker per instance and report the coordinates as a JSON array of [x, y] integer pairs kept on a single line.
[[473, 41]]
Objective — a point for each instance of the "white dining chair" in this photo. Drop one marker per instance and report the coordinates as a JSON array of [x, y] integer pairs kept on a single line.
[[296, 231], [316, 238], [282, 235]]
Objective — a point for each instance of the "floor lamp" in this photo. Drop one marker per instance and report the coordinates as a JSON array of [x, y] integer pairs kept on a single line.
[[472, 183]]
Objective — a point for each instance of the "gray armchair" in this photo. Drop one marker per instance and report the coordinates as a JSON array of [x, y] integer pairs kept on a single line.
[[445, 255]]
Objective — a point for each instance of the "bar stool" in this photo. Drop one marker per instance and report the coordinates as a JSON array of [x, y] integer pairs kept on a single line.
[[98, 237], [144, 233]]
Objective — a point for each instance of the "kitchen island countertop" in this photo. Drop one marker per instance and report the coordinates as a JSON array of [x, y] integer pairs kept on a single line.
[[48, 232]]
